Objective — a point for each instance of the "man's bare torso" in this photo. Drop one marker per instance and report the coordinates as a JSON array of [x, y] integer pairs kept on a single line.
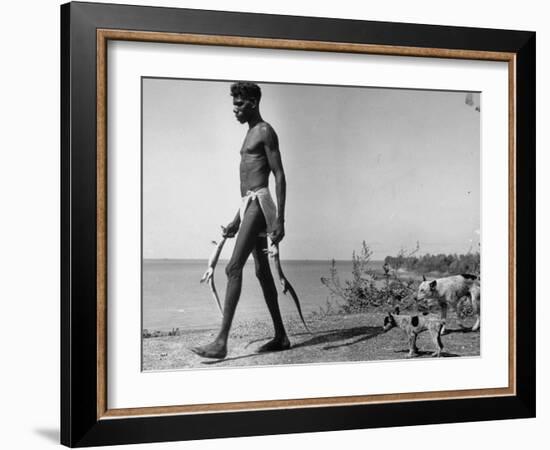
[[254, 167]]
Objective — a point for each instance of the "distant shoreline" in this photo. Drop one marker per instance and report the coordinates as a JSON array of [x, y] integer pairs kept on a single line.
[[198, 260]]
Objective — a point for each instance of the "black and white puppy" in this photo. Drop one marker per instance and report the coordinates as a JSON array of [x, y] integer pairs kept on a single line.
[[413, 326]]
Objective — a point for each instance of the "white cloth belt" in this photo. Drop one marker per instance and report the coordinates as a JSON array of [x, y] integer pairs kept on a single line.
[[267, 206]]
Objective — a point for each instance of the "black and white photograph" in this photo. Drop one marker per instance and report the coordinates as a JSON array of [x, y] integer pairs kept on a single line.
[[308, 224], [193, 262]]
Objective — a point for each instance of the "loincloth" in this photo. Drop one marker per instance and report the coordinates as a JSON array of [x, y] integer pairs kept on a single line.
[[267, 205]]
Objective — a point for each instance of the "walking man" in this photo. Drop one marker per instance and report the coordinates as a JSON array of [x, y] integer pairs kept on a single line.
[[257, 217]]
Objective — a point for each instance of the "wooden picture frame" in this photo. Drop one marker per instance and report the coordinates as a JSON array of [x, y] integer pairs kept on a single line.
[[86, 418]]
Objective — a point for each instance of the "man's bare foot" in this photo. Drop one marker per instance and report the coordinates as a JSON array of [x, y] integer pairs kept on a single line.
[[213, 350], [275, 345]]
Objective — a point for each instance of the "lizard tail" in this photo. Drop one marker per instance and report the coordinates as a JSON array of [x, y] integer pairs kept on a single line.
[[297, 303]]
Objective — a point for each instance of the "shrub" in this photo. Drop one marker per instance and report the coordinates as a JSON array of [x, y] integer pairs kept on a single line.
[[368, 288], [441, 263], [365, 290]]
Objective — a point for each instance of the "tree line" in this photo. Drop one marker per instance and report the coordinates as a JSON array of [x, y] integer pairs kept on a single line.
[[451, 264]]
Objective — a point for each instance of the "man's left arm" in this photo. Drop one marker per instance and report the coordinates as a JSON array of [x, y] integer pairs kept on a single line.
[[271, 145]]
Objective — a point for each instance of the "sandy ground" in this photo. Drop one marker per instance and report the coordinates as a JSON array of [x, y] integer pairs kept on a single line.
[[334, 338]]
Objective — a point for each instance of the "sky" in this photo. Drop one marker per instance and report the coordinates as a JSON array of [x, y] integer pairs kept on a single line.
[[391, 167]]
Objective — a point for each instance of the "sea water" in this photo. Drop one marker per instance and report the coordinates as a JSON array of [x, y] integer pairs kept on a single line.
[[173, 296]]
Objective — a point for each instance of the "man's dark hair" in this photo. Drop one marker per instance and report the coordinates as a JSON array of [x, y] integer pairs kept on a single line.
[[246, 90]]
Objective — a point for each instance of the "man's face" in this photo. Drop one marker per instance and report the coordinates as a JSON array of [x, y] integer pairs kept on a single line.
[[242, 108]]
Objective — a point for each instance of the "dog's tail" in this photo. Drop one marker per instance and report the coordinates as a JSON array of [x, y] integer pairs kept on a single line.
[[469, 276]]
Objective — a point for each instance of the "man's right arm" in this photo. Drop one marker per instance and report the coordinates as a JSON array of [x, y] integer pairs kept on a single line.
[[232, 227]]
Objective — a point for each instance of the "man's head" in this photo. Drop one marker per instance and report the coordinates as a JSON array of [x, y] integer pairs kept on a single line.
[[246, 99]]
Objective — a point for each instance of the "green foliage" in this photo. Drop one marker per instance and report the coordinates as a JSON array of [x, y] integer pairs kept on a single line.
[[367, 288], [464, 308], [146, 334], [444, 264]]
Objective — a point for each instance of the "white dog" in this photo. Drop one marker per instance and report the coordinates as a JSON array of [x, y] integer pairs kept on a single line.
[[449, 290]]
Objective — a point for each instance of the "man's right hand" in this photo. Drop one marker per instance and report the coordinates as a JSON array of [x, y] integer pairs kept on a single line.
[[230, 230]]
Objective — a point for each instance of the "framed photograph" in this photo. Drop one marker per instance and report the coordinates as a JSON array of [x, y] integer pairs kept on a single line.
[[278, 224]]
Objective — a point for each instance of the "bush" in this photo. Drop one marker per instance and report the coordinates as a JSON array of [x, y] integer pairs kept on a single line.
[[464, 308], [444, 264], [364, 290], [370, 289]]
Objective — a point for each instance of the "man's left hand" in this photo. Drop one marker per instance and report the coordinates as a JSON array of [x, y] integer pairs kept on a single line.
[[278, 233]]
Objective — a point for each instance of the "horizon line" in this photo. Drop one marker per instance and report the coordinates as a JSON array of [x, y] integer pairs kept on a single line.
[[227, 259]]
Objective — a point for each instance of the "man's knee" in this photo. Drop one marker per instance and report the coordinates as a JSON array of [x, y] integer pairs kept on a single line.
[[233, 270], [263, 272]]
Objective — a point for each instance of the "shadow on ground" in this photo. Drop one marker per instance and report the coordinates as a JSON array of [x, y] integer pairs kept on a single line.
[[341, 335], [424, 353], [319, 338]]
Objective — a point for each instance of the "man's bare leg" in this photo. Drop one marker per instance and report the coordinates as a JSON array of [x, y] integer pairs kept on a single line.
[[253, 223], [263, 272]]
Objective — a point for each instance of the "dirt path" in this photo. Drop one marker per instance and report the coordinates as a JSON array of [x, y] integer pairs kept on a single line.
[[334, 338]]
